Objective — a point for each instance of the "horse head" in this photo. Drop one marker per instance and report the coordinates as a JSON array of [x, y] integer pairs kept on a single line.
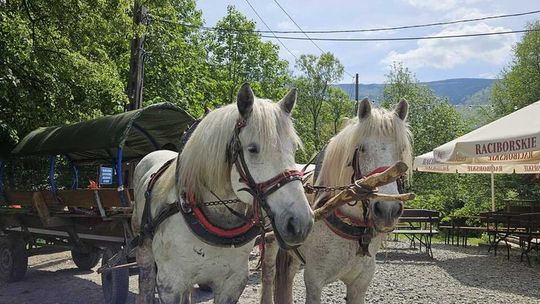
[[259, 141], [374, 140]]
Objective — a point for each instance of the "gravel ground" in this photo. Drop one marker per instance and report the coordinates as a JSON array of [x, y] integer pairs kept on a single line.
[[456, 275]]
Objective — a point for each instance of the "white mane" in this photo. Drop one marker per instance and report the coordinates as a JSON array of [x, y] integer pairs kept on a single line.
[[203, 162], [336, 167]]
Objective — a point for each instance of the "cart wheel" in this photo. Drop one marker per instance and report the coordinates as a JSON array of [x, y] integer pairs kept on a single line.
[[86, 260], [13, 258], [115, 283]]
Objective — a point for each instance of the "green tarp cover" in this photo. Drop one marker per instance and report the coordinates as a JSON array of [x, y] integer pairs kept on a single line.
[[137, 132]]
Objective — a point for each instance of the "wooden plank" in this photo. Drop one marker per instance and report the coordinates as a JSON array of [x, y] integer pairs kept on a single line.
[[20, 197], [41, 207], [415, 231], [43, 211], [85, 198]]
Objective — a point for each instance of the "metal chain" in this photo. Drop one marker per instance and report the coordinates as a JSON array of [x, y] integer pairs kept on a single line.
[[307, 187], [217, 203]]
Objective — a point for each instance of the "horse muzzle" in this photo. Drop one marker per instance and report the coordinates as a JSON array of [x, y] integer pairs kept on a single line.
[[291, 230], [386, 214]]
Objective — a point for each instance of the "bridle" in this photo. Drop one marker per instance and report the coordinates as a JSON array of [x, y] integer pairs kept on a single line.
[[259, 191]]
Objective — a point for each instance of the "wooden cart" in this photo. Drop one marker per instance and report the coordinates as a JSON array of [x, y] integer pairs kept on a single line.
[[95, 222]]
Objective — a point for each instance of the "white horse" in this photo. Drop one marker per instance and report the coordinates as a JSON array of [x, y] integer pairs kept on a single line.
[[376, 138], [233, 150]]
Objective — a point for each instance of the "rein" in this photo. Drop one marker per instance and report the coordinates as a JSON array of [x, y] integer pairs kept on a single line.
[[352, 228], [259, 191]]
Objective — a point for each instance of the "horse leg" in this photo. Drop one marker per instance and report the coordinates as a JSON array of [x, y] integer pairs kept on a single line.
[[286, 268], [229, 290], [171, 290], [357, 288], [268, 271], [147, 273], [314, 287]]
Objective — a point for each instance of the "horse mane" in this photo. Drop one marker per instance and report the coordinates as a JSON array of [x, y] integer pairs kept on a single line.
[[336, 166], [203, 162]]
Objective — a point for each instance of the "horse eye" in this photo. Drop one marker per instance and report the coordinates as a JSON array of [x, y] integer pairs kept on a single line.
[[252, 148], [362, 149]]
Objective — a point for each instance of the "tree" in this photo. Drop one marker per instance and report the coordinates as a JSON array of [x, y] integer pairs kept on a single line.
[[176, 68], [237, 54], [433, 122], [519, 86], [316, 75], [520, 81], [340, 107], [63, 62], [59, 63]]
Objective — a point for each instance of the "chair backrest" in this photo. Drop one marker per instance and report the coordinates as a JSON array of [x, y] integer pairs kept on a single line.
[[420, 215]]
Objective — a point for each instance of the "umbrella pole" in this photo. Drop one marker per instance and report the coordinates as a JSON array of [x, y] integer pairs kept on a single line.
[[492, 191]]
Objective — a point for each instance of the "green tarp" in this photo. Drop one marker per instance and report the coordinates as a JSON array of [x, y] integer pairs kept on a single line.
[[137, 132]]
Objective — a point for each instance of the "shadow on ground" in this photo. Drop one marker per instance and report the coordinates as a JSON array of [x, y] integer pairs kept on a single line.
[[58, 287]]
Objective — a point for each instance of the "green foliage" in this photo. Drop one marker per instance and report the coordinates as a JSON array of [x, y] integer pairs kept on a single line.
[[59, 63], [235, 57], [317, 100], [519, 86], [434, 121], [520, 82], [175, 69]]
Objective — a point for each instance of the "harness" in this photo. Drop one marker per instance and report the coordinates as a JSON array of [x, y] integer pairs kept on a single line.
[[194, 215], [351, 228]]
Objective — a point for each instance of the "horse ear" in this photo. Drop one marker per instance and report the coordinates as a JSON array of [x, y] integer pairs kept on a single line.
[[287, 103], [245, 100], [402, 109], [364, 108]]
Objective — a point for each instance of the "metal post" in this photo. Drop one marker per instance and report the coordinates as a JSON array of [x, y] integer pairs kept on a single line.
[[492, 191], [120, 177], [356, 95]]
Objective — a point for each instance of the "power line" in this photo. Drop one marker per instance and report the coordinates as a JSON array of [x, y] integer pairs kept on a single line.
[[407, 26], [403, 38], [281, 42], [307, 36], [355, 30], [298, 26]]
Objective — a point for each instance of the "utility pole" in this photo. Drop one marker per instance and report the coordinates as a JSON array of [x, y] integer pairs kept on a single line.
[[356, 95], [136, 64]]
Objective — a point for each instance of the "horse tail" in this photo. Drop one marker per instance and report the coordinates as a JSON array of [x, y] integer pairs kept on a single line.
[[283, 280]]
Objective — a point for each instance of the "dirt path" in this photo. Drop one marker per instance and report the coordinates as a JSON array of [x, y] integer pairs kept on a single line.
[[456, 275]]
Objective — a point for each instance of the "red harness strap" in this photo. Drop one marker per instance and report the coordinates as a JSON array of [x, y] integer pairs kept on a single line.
[[228, 233]]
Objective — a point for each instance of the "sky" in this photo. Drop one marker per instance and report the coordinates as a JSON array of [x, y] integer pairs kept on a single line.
[[429, 60]]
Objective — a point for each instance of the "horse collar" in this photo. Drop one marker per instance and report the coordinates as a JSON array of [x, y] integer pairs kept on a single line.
[[351, 229]]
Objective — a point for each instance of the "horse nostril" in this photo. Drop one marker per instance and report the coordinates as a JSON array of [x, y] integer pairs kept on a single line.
[[377, 209], [291, 227], [398, 209]]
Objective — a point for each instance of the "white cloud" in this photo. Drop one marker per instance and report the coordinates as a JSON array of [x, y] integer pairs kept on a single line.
[[487, 75], [441, 5], [449, 53], [286, 25]]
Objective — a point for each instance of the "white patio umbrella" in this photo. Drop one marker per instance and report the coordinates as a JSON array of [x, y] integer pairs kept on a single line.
[[510, 144]]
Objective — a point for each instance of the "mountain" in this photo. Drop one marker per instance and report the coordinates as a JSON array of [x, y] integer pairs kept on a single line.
[[458, 91]]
